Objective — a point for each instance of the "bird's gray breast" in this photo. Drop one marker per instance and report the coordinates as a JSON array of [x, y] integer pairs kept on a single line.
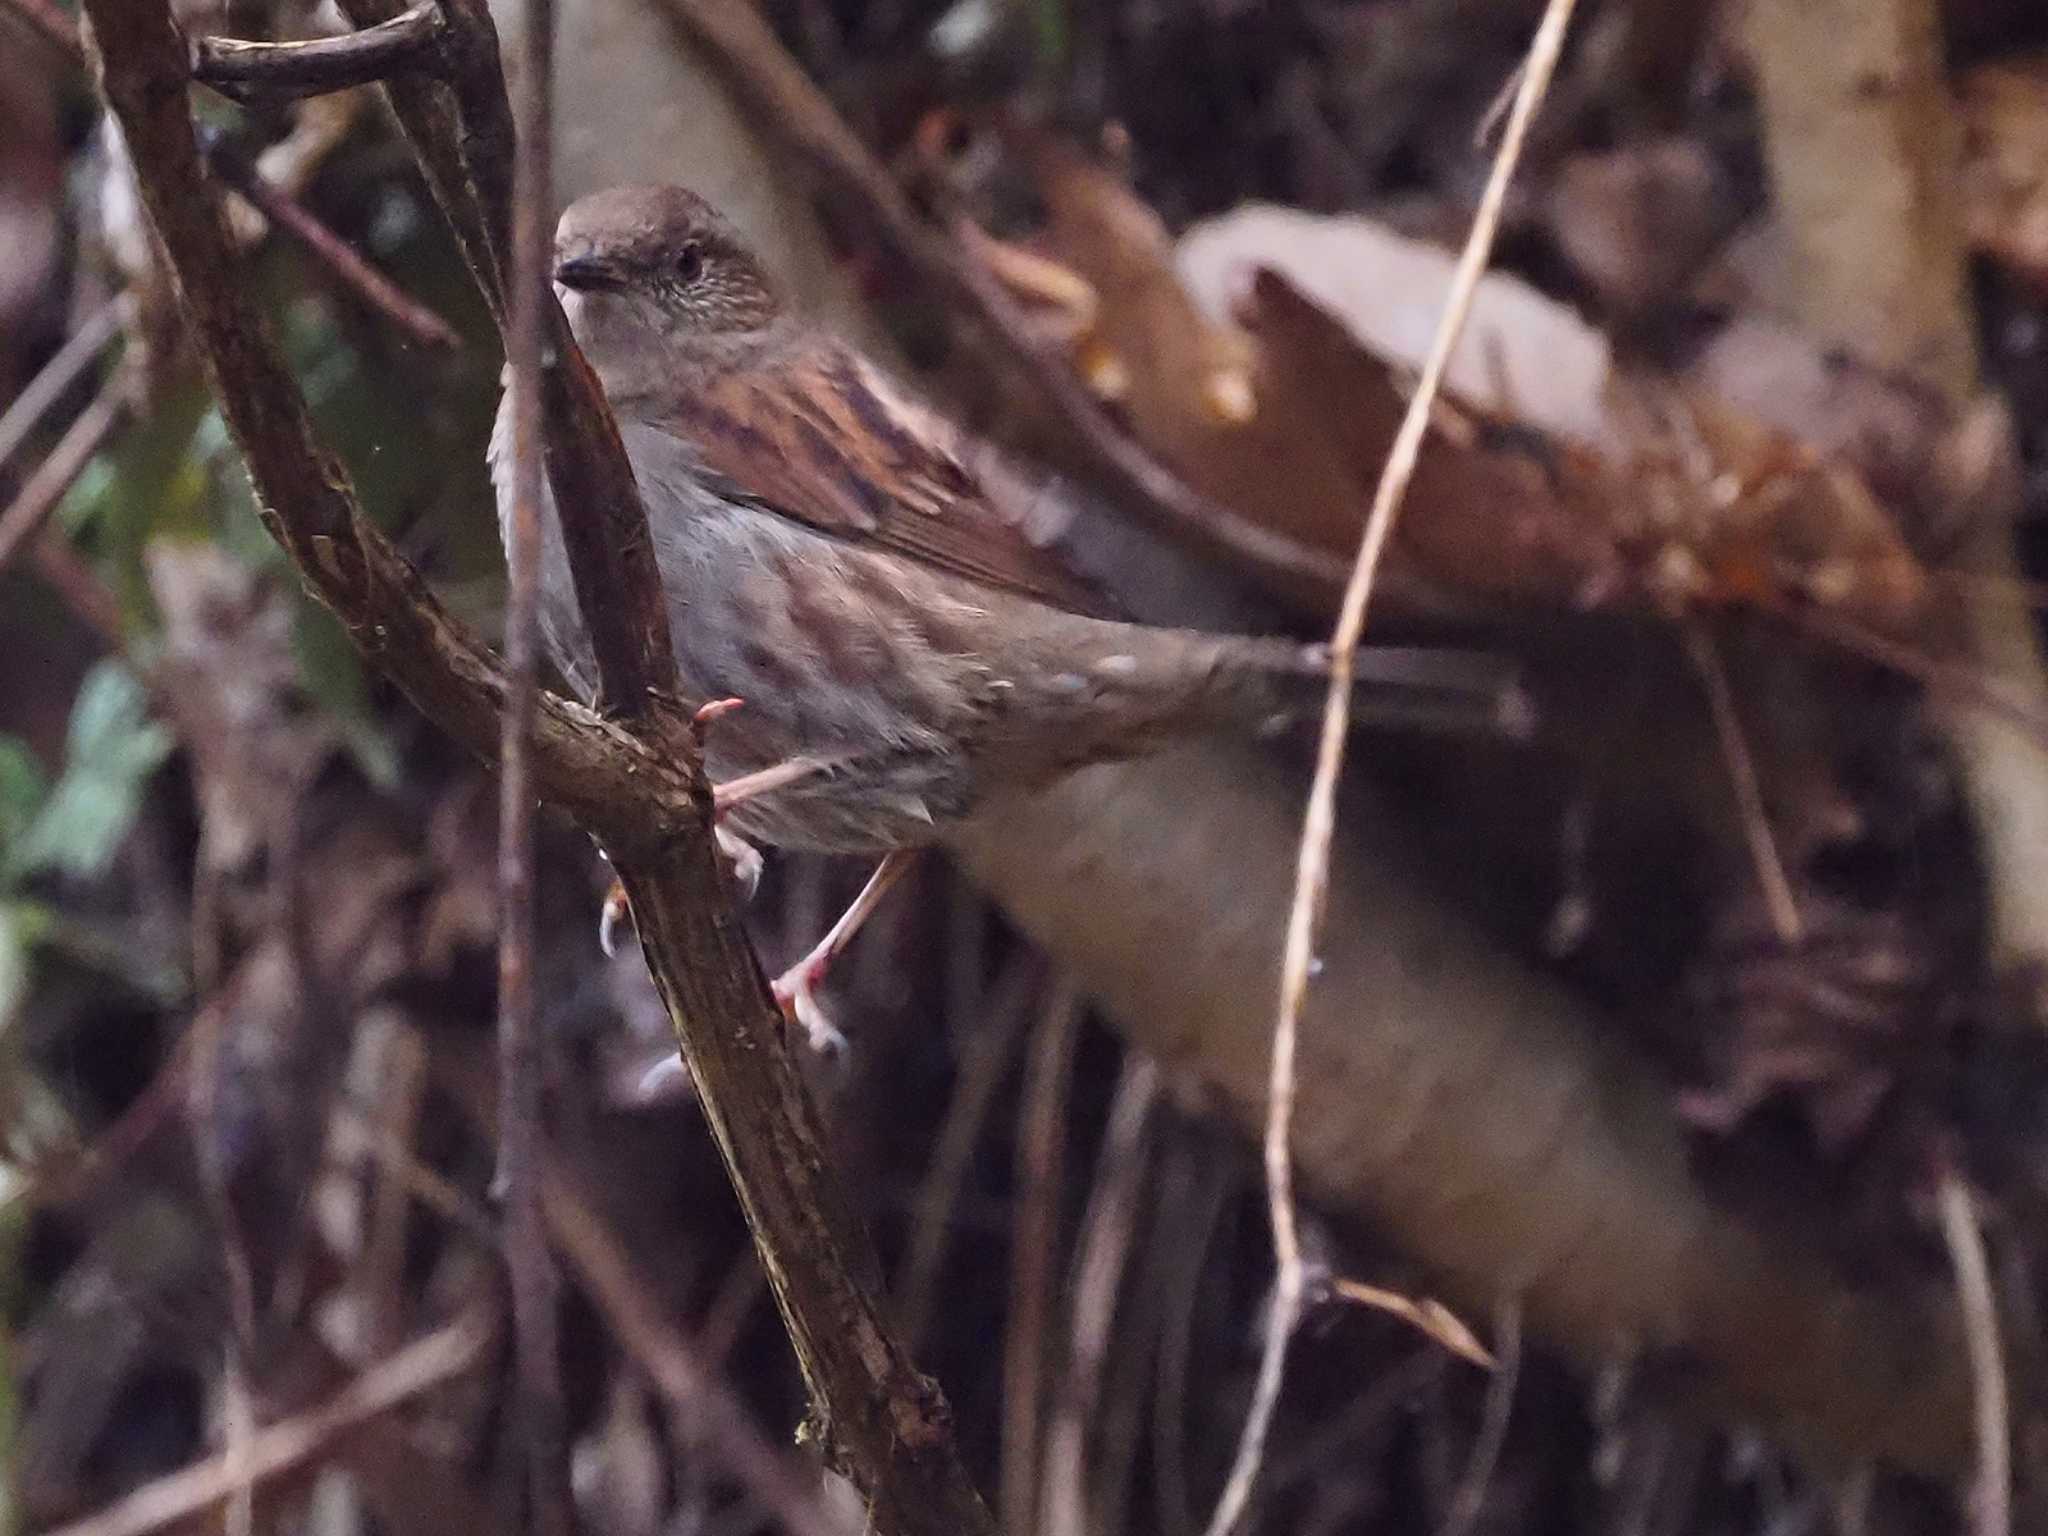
[[838, 653], [842, 648]]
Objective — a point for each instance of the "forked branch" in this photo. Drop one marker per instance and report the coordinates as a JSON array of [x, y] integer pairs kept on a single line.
[[641, 791]]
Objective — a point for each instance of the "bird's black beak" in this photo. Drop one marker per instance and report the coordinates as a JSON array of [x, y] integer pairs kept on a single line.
[[585, 274]]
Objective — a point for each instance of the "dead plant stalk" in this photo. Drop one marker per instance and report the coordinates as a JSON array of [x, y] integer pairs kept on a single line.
[[521, 1055], [1312, 869]]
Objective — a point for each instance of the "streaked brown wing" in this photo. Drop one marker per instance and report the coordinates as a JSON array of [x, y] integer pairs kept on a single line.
[[820, 438]]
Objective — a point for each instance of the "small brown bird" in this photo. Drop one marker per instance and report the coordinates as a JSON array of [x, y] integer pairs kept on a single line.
[[899, 643]]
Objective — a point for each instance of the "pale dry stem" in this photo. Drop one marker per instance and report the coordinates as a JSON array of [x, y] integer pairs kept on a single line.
[[1312, 871], [1779, 899], [182, 1495], [1427, 1316], [1991, 1499], [1493, 1424]]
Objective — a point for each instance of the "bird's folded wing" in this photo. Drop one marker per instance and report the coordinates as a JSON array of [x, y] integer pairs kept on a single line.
[[823, 438]]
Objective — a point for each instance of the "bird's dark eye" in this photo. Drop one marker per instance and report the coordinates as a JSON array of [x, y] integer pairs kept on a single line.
[[690, 262]]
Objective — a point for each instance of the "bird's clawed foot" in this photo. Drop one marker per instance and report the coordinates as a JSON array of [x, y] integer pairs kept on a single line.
[[707, 715], [616, 909], [796, 989], [742, 863], [796, 993]]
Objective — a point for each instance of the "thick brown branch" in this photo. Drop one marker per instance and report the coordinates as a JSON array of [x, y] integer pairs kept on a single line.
[[427, 111], [882, 1424], [409, 41]]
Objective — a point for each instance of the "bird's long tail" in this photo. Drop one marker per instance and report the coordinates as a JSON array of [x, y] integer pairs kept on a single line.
[[1394, 686], [1135, 686]]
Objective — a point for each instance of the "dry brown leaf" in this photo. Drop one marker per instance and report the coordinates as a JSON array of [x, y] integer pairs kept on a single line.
[[1182, 372], [1263, 360], [1651, 489], [1488, 510], [1524, 358], [1273, 409], [1724, 511]]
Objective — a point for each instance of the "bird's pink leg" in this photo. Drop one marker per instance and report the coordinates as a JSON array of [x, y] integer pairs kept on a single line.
[[796, 989], [734, 792]]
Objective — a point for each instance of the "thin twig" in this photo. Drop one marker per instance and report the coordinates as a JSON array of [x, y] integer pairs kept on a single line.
[[1034, 1237], [522, 1133], [275, 202], [238, 1436], [313, 66], [45, 490], [1192, 1206], [1427, 1316], [78, 585], [1995, 694], [66, 366], [1991, 1498], [336, 254], [1312, 871], [1493, 1422], [990, 1043], [1105, 1246], [438, 1357], [414, 1178], [1749, 799], [69, 1177], [384, 1131]]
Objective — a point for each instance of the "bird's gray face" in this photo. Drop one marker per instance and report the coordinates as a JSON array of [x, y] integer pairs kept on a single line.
[[658, 287]]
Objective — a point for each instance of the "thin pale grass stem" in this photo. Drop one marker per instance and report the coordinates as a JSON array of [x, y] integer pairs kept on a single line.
[[1428, 1316], [1749, 799], [1991, 1497], [1312, 871], [1104, 1251], [522, 1134], [67, 365], [179, 1496], [990, 1042], [45, 490], [1470, 1497], [1035, 1230]]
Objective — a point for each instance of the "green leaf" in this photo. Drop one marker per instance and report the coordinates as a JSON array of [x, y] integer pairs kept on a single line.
[[15, 943], [23, 789], [110, 727], [23, 926], [113, 750]]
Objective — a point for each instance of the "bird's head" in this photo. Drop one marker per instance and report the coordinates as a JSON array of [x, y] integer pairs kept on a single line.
[[658, 286]]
